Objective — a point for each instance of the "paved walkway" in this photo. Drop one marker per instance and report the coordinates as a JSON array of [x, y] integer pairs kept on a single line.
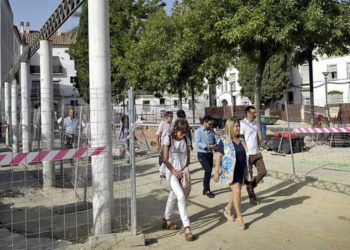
[[291, 215]]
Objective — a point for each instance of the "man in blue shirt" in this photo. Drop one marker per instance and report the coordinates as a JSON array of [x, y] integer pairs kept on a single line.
[[206, 144]]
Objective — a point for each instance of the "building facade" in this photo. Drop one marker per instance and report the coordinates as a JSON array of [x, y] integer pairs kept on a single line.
[[64, 74], [337, 70]]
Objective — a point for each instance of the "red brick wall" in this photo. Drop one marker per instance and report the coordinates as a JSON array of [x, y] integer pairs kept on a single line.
[[226, 112], [294, 113]]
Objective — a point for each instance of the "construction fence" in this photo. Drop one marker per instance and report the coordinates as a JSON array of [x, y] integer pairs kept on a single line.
[[33, 216]]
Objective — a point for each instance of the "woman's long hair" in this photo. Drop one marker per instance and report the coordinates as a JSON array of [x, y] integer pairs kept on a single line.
[[180, 125], [229, 125]]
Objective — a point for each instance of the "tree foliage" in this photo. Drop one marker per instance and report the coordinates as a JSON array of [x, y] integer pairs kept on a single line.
[[275, 78], [126, 21]]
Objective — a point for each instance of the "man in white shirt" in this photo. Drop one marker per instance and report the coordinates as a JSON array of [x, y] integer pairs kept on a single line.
[[249, 130]]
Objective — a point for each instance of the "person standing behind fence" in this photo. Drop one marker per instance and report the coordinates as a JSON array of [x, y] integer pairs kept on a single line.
[[124, 134], [233, 158], [163, 130], [181, 114], [206, 144], [249, 130], [85, 131], [70, 129], [176, 159]]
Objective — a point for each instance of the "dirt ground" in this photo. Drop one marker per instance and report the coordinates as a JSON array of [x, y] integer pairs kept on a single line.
[[306, 214]]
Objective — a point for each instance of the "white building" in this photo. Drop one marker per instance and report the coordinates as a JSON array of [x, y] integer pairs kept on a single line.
[[151, 108], [229, 90], [338, 80], [64, 73], [6, 49]]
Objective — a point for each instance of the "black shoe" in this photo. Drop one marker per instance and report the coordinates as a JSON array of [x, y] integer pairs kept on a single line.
[[253, 200], [209, 194]]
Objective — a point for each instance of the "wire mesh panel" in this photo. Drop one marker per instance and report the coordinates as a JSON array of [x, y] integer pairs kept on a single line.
[[34, 217], [322, 152]]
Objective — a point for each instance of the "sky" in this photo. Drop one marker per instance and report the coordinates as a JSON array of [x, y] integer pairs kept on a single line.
[[38, 11]]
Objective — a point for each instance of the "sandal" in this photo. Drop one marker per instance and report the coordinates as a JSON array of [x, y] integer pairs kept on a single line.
[[229, 217], [168, 225], [241, 223], [188, 236]]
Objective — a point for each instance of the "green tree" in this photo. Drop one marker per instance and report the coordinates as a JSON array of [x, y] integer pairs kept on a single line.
[[322, 27], [126, 21], [257, 29], [275, 78], [175, 53], [80, 53]]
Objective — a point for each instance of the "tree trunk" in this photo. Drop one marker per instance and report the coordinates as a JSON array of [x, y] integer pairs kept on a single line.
[[193, 106], [212, 92], [258, 80], [311, 77], [180, 95]]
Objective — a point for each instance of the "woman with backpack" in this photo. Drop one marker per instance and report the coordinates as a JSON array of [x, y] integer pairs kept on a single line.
[[176, 159]]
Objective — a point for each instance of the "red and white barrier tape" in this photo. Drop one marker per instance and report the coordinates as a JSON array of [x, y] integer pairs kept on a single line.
[[9, 158], [321, 130]]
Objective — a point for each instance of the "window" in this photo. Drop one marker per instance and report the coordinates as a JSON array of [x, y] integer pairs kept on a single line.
[[35, 90], [335, 97], [74, 103], [73, 80], [56, 89], [305, 73], [348, 70], [332, 69], [290, 97], [191, 105], [146, 106], [34, 69], [176, 103], [233, 85], [306, 101], [162, 101]]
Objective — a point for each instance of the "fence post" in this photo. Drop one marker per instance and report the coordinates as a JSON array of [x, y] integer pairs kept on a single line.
[[290, 139], [132, 161]]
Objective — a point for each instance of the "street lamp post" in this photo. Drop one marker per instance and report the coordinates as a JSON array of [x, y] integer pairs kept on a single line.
[[326, 95], [233, 102]]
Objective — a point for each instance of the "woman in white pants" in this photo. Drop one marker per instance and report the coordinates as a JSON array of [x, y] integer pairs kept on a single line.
[[176, 158]]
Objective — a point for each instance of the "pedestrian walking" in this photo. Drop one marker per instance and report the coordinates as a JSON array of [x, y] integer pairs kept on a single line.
[[206, 144], [85, 131], [249, 131], [163, 130], [124, 134], [176, 158], [233, 160], [181, 114]]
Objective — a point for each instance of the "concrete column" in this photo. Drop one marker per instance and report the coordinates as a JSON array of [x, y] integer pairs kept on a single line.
[[14, 113], [25, 107], [100, 114], [2, 116], [46, 107], [7, 90]]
